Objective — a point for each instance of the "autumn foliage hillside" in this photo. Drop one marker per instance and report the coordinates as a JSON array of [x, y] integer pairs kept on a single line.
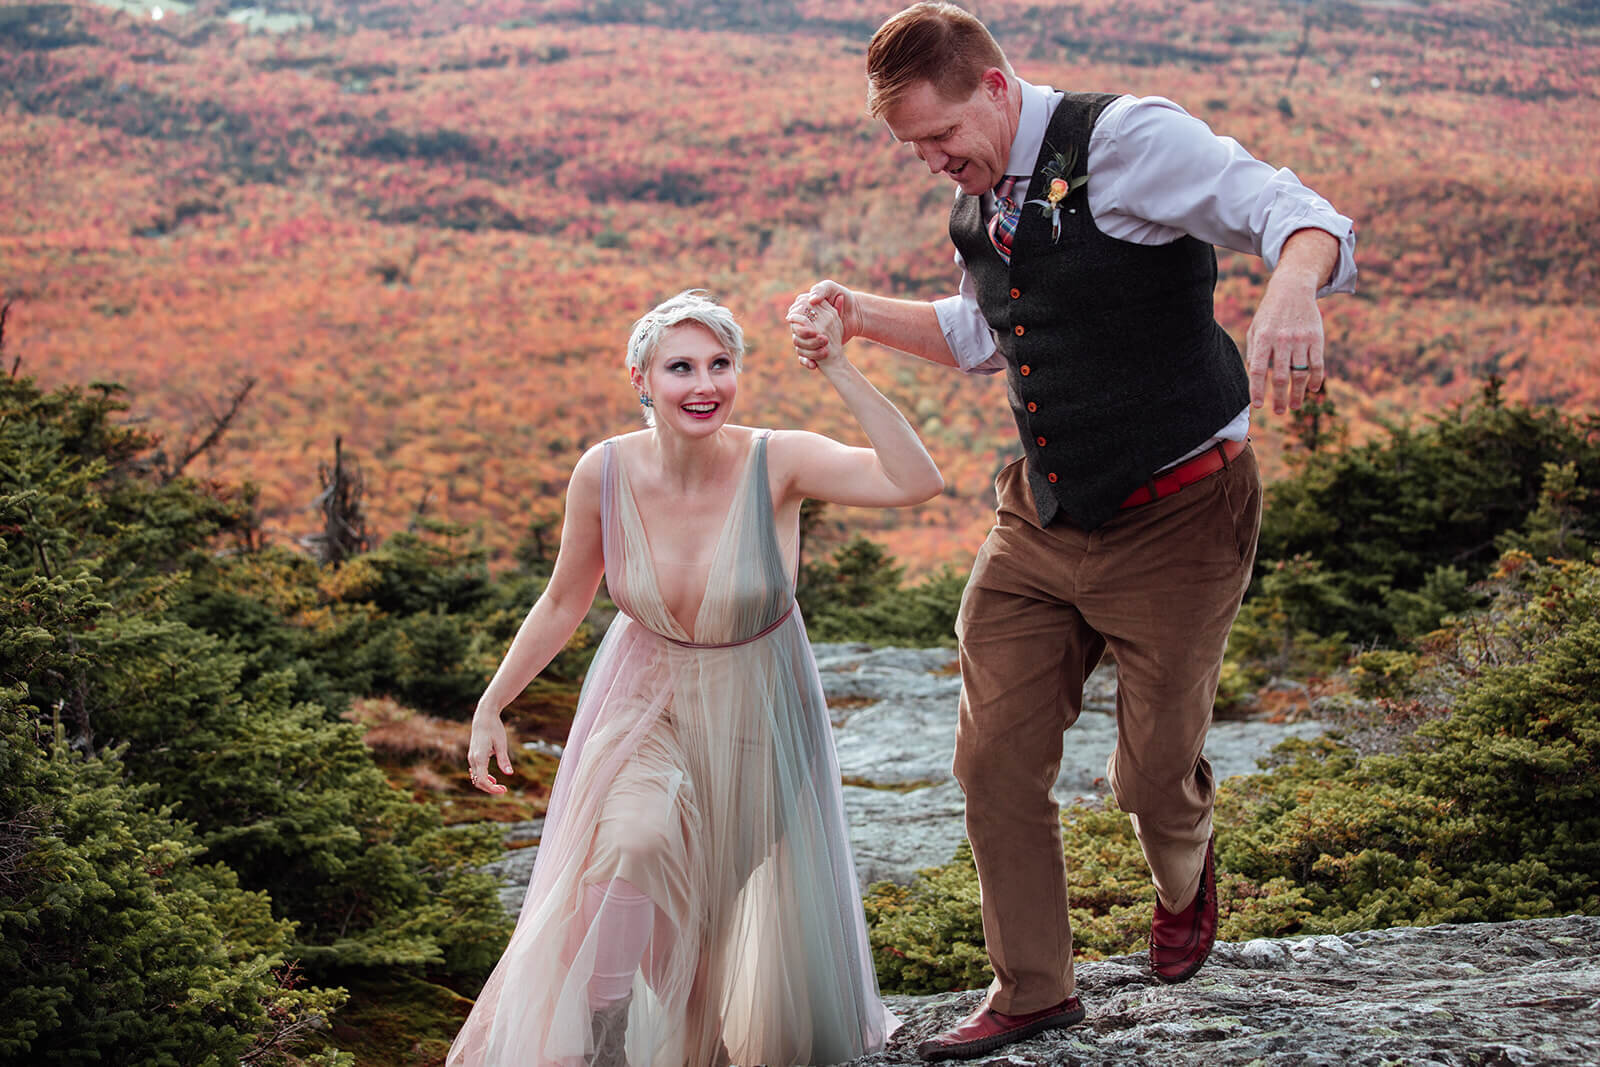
[[426, 227]]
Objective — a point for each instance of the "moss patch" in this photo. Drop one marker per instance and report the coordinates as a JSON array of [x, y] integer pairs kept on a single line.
[[397, 1022]]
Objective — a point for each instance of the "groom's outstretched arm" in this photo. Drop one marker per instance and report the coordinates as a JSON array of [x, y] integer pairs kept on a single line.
[[912, 326]]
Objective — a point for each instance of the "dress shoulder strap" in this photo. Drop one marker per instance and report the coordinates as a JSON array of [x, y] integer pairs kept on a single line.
[[758, 471], [608, 501]]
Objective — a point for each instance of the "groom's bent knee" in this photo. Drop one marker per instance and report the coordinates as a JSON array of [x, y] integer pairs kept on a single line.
[[992, 772]]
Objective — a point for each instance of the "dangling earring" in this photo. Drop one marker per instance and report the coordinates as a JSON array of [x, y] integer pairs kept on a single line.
[[645, 401]]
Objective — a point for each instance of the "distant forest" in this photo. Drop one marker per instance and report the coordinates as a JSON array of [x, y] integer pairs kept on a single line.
[[425, 229]]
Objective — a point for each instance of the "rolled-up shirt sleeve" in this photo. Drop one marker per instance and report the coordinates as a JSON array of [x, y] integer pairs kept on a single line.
[[965, 329], [1164, 173]]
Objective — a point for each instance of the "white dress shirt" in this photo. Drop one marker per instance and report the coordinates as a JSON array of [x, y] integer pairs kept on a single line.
[[1157, 173]]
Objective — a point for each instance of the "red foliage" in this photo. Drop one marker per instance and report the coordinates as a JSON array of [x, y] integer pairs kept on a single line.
[[427, 227]]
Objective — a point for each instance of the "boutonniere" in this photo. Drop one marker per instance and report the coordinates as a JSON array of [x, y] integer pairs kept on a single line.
[[1058, 186]]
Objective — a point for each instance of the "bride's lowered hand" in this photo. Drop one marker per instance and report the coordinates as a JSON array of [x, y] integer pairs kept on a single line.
[[488, 742]]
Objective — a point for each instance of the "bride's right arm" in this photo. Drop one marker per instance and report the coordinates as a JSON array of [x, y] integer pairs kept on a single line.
[[580, 563], [896, 471]]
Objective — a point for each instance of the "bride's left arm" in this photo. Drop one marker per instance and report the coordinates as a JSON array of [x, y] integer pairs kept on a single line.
[[896, 471]]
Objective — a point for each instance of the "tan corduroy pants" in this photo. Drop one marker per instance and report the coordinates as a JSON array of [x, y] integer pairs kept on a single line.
[[1159, 586]]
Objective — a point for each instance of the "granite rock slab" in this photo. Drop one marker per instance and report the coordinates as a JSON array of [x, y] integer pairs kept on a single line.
[[1517, 993], [894, 712]]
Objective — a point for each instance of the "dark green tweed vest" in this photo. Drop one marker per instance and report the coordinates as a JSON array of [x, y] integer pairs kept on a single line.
[[1114, 361]]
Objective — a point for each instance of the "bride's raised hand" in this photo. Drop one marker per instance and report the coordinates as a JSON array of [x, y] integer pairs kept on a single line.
[[488, 740]]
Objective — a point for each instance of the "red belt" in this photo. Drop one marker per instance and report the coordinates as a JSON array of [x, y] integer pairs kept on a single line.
[[1188, 472]]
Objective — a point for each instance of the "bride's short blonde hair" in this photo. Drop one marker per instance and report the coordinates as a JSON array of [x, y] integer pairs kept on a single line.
[[690, 306]]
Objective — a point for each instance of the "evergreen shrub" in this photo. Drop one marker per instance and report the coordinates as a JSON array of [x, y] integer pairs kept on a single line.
[[857, 595], [177, 742], [1400, 526], [115, 941]]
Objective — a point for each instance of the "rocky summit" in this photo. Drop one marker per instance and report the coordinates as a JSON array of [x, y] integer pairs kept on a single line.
[[1517, 993]]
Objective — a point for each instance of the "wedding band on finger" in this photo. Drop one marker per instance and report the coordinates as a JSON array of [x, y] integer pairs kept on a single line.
[[1304, 367]]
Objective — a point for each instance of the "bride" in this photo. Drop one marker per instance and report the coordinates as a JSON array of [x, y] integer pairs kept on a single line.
[[694, 902]]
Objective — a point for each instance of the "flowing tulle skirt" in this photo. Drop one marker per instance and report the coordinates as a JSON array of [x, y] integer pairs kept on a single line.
[[706, 780]]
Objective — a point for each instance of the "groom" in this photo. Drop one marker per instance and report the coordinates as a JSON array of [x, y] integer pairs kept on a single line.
[[1084, 227]]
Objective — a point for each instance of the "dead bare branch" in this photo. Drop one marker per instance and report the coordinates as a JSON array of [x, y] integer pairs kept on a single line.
[[219, 426]]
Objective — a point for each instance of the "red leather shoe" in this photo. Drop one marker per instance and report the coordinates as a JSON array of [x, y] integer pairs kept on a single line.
[[1180, 943], [986, 1030]]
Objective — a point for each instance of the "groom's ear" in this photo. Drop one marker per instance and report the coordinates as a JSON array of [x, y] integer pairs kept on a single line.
[[995, 85]]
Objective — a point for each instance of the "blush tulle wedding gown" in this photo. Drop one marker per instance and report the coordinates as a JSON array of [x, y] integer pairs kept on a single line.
[[695, 833]]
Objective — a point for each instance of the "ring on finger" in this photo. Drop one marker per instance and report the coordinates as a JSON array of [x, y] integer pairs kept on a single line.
[[1301, 367]]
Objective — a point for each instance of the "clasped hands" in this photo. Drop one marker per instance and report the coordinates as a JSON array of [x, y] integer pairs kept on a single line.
[[815, 329]]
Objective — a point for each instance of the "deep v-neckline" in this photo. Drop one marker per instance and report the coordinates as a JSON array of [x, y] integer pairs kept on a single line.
[[734, 501]]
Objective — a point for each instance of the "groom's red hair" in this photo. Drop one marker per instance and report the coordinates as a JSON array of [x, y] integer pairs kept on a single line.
[[937, 43]]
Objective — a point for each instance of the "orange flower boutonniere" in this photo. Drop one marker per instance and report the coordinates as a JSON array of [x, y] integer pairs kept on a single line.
[[1060, 185]]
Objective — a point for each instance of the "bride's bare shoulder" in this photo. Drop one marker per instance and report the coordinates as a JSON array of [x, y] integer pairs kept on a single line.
[[795, 444], [630, 440], [588, 472]]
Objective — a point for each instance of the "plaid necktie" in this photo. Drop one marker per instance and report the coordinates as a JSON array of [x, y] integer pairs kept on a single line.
[[1003, 224]]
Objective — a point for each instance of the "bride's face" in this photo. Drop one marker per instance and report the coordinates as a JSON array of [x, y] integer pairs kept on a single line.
[[691, 380]]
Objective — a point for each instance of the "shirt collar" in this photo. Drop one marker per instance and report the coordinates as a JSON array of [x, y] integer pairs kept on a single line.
[[1030, 128]]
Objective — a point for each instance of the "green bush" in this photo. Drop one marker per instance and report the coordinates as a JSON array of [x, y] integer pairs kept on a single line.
[[858, 596], [310, 854], [1421, 511], [1275, 632], [114, 941], [1384, 673], [928, 937]]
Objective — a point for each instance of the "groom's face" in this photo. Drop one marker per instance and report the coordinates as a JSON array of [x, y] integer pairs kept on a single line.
[[967, 139]]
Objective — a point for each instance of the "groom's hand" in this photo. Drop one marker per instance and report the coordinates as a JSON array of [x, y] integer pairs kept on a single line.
[[813, 327], [1284, 345], [844, 302]]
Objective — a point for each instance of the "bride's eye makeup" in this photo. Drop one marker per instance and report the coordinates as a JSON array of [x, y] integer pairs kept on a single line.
[[720, 363]]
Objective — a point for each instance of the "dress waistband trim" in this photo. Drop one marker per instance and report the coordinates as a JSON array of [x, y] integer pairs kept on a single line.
[[779, 621]]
